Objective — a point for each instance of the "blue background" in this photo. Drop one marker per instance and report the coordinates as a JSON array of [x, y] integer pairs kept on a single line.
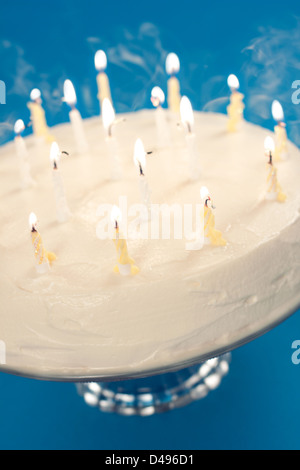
[[42, 44]]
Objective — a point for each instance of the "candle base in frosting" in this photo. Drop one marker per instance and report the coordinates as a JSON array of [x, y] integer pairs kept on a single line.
[[78, 131], [193, 156], [125, 265], [26, 180], [274, 191], [43, 258], [211, 235], [62, 209]]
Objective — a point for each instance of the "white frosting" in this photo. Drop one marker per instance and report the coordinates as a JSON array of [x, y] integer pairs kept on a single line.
[[83, 321]]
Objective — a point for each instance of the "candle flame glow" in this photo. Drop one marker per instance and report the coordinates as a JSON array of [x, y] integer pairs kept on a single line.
[[139, 155], [269, 144], [19, 126], [35, 94], [108, 114], [233, 82], [32, 221], [172, 64], [100, 60], [204, 193], [69, 93], [157, 96], [186, 113], [116, 215], [277, 111], [54, 153]]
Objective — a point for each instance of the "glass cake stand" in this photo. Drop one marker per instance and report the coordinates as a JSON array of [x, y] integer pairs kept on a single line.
[[156, 394]]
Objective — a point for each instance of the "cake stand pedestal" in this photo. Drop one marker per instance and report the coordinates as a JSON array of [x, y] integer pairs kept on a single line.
[[157, 394]]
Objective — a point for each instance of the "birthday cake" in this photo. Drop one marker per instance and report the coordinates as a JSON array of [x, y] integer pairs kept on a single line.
[[183, 299]]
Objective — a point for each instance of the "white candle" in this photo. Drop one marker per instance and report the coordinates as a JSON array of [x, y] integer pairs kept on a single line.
[[22, 153], [187, 119], [75, 117], [271, 183], [281, 148], [274, 191], [109, 120], [162, 128], [62, 208], [140, 162]]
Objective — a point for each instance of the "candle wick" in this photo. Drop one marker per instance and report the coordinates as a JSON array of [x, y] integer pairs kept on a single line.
[[33, 230], [141, 170], [211, 204], [271, 159]]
